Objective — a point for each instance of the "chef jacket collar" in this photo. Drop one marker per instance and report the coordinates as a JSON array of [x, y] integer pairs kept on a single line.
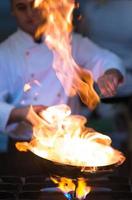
[[27, 39]]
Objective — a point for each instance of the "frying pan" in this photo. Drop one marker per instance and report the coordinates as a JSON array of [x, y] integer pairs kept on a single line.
[[74, 172]]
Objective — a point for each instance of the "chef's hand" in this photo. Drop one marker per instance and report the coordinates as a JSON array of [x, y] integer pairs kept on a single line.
[[29, 114], [109, 82]]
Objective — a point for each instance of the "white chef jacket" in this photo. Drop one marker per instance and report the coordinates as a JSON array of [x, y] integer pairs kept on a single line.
[[23, 61]]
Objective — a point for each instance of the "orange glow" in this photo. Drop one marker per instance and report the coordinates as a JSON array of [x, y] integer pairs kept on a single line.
[[57, 27]]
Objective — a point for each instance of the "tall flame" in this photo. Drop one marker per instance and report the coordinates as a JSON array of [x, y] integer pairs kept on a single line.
[[57, 27]]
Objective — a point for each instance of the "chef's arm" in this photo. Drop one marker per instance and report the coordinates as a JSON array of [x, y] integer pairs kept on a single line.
[[106, 68], [5, 110], [108, 83], [115, 72], [94, 58]]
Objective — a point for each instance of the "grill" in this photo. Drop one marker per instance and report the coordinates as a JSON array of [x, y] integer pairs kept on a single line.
[[112, 187]]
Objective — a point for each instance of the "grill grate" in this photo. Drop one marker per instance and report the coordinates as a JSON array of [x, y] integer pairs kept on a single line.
[[41, 188]]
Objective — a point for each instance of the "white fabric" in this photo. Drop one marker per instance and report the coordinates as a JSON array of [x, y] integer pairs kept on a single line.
[[22, 61]]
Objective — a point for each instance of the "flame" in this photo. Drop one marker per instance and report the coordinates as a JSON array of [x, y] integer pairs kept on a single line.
[[80, 145], [57, 27], [37, 3], [66, 185], [82, 189]]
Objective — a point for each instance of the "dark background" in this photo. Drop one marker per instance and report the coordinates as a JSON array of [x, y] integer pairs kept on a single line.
[[7, 23]]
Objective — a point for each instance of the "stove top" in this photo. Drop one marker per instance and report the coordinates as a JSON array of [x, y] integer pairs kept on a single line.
[[42, 188]]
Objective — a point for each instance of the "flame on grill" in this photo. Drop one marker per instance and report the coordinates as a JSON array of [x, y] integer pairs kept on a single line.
[[57, 28], [79, 189]]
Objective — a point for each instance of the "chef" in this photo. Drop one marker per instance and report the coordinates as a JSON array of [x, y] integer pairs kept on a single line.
[[28, 78]]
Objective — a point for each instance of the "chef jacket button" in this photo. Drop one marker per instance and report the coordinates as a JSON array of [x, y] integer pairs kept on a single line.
[[27, 53], [58, 94], [35, 98], [32, 75]]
